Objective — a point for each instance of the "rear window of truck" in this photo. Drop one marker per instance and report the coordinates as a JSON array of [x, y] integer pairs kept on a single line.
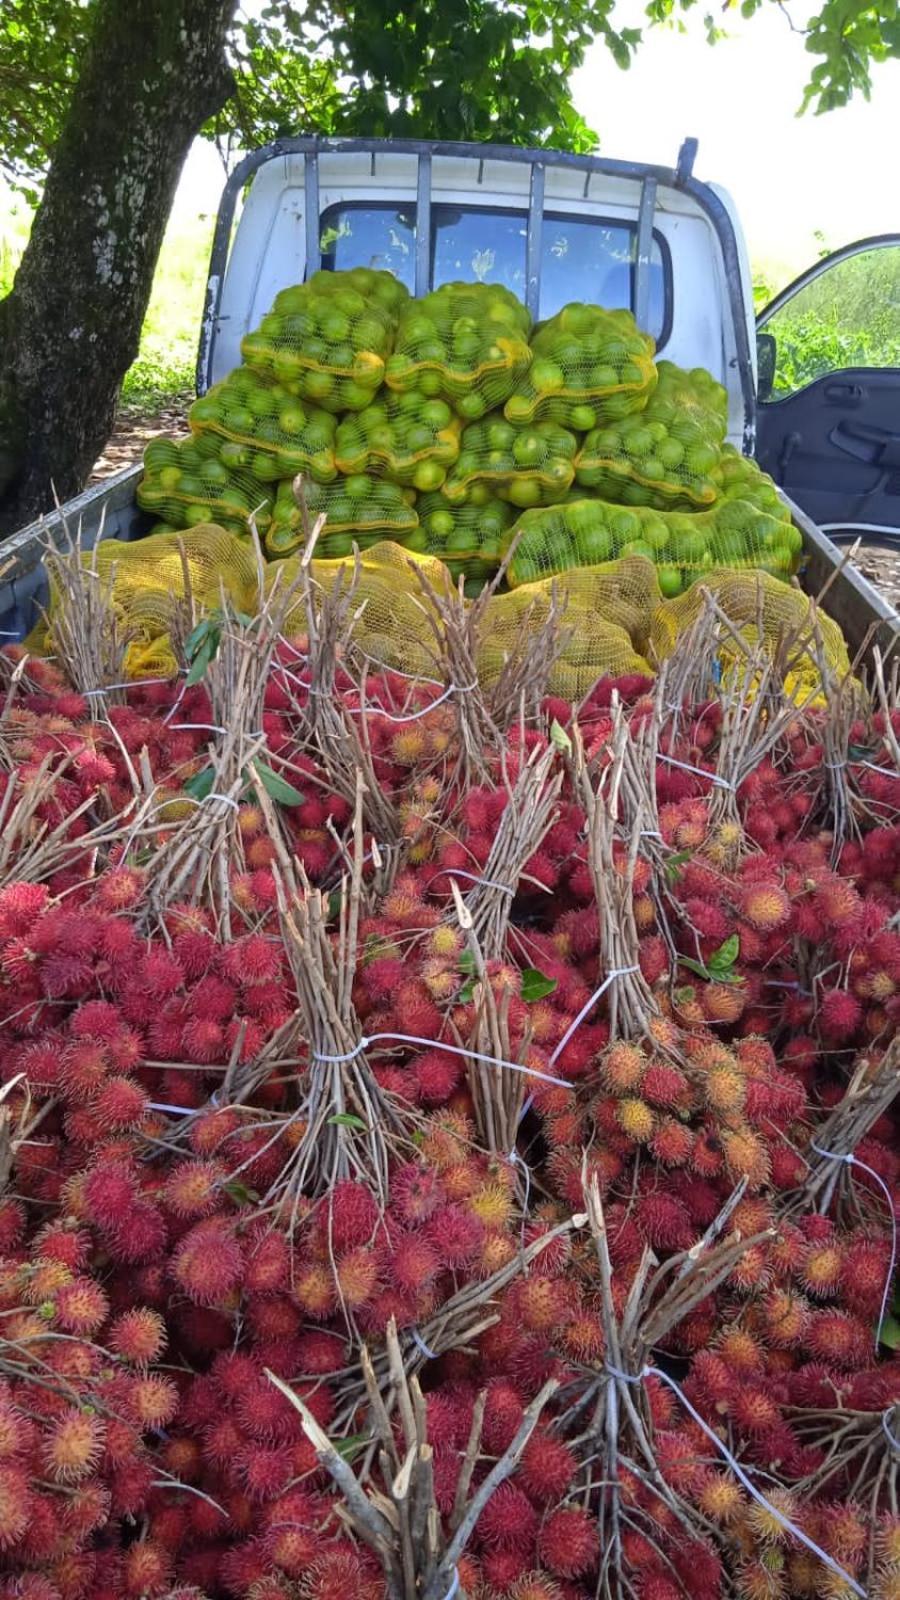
[[582, 258]]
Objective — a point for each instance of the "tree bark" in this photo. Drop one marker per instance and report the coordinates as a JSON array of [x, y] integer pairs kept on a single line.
[[153, 73]]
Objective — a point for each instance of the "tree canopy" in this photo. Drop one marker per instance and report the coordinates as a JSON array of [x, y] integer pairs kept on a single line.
[[471, 69]]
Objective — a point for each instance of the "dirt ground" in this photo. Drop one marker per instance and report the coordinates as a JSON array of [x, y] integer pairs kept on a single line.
[[133, 432]]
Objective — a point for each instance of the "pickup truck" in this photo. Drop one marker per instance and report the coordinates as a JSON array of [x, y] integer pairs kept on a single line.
[[552, 227]]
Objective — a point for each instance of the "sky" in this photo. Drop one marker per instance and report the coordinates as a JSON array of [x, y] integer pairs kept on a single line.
[[789, 176]]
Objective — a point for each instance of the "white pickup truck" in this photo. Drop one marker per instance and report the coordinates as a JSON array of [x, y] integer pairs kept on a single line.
[[552, 227]]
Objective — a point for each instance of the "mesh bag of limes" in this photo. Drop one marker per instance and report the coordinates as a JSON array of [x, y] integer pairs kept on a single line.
[[585, 533], [438, 422]]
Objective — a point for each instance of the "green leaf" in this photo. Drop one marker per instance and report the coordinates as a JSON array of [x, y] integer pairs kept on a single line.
[[726, 955], [466, 992], [240, 1193], [694, 966], [536, 984], [889, 1332], [278, 788], [467, 961], [334, 903], [196, 637], [560, 738], [200, 784], [353, 1445], [675, 863], [205, 653], [346, 1119]]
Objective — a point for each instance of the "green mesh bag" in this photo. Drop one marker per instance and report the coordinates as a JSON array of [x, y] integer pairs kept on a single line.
[[327, 340], [407, 437], [466, 343], [589, 366], [683, 546], [358, 510], [264, 429], [743, 479], [467, 537], [530, 464], [666, 456], [187, 484]]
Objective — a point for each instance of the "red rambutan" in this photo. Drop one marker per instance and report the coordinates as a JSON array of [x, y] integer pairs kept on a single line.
[[569, 1543], [207, 1263]]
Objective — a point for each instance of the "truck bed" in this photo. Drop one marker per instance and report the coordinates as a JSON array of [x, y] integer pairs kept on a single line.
[[109, 509]]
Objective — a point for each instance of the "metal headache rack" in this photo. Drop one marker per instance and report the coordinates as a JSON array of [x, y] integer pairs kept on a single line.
[[650, 179]]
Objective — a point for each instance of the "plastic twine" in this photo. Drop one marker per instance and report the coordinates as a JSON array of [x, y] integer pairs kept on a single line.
[[737, 1469], [436, 1044], [853, 1161], [454, 1586], [617, 972], [430, 1355]]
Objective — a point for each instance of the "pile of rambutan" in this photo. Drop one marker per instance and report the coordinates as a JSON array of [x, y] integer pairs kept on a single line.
[[165, 1254]]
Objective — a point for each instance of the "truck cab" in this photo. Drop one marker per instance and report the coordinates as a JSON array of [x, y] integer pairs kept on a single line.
[[552, 227]]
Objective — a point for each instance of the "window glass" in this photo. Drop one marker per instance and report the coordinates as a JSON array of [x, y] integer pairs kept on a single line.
[[582, 258], [849, 316]]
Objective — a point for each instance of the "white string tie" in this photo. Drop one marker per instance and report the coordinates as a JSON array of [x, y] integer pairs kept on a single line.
[[853, 1161], [700, 772], [617, 972], [737, 1469], [436, 1044]]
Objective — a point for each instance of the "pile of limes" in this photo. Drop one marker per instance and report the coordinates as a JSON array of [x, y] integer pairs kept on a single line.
[[265, 430], [467, 343], [407, 437], [435, 422], [589, 366], [528, 464]]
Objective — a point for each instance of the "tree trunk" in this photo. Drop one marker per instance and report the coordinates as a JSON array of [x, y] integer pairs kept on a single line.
[[154, 71]]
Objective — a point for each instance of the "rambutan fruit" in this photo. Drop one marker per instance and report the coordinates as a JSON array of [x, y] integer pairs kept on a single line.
[[508, 1521], [707, 917], [146, 1569], [20, 906], [413, 1262], [265, 1470], [119, 1104], [81, 1306], [502, 1415], [72, 1446], [437, 1075], [203, 1040], [752, 1409], [636, 1120], [455, 1234], [839, 1015], [746, 1156], [16, 1505], [207, 1263], [864, 1269], [153, 1401], [568, 1543], [193, 1188], [723, 1002], [110, 1193], [740, 1351], [546, 1468], [663, 1221], [839, 1338], [315, 1291], [784, 1318], [140, 1236], [720, 1498], [340, 1571], [821, 1270], [358, 1275], [664, 1085], [535, 1586], [765, 906]]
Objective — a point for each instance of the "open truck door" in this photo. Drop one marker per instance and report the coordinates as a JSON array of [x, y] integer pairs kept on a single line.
[[828, 418]]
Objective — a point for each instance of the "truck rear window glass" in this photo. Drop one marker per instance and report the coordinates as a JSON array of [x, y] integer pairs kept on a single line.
[[582, 258]]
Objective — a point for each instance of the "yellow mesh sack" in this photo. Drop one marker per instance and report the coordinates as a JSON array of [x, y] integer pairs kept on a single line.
[[390, 610], [263, 429], [407, 437], [528, 464], [359, 510], [762, 610], [743, 479], [327, 340], [467, 537], [147, 582], [465, 343], [187, 485], [583, 533], [589, 366], [605, 613], [669, 454]]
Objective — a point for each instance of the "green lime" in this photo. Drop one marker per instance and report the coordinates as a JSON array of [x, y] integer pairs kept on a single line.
[[670, 581], [546, 377]]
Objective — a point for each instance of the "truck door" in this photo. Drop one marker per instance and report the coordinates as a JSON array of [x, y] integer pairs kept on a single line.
[[828, 422]]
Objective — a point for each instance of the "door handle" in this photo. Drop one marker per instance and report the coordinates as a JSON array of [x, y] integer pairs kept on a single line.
[[874, 446], [845, 394]]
